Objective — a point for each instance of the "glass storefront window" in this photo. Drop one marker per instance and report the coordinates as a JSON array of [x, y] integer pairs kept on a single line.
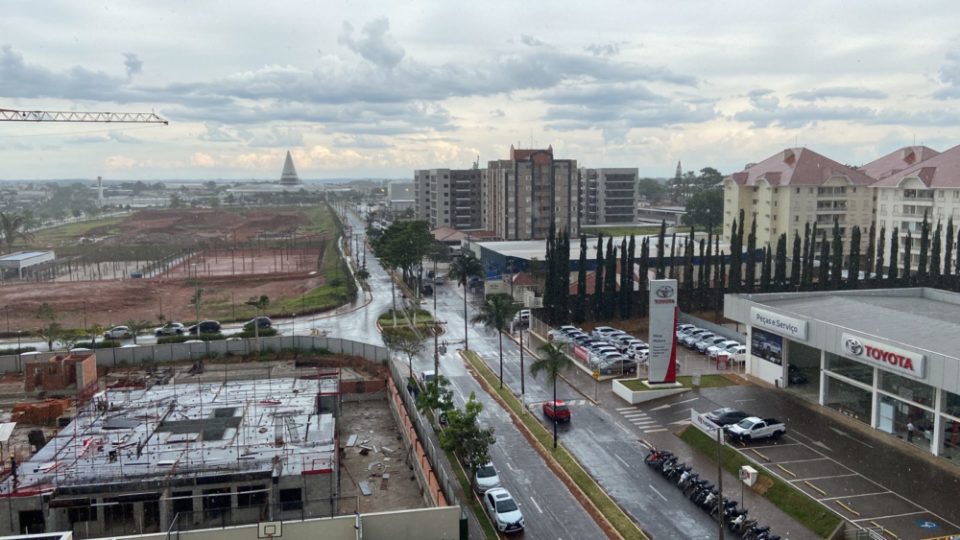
[[848, 399], [951, 403], [906, 421], [950, 448], [907, 389], [850, 369]]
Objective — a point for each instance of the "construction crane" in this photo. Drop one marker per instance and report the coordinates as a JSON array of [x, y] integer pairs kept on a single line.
[[11, 115]]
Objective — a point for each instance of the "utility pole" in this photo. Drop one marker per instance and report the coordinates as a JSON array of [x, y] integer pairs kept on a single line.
[[719, 484], [436, 333]]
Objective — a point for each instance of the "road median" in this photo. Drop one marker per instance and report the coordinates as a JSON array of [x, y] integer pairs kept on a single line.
[[604, 510]]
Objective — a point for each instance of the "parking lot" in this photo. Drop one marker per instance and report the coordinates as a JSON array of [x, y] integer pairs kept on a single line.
[[859, 475]]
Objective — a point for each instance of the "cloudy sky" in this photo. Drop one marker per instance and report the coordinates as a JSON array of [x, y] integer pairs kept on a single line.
[[373, 88]]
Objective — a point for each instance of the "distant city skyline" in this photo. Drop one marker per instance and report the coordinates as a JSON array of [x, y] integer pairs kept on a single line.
[[367, 89]]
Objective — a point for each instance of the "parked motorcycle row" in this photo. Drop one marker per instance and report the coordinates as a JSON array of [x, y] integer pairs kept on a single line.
[[705, 495]]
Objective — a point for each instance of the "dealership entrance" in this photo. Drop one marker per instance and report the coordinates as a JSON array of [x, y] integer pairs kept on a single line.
[[854, 352]]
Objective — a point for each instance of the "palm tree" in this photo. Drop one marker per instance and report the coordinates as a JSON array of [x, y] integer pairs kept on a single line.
[[12, 227], [496, 314], [551, 361], [461, 268]]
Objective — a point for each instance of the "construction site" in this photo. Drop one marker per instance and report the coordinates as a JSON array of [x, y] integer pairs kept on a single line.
[[198, 446]]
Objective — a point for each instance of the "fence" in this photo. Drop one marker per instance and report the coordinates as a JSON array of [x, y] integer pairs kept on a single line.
[[178, 352]]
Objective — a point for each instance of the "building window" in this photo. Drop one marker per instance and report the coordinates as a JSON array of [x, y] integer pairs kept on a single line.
[[941, 194], [83, 513], [183, 502], [291, 499], [848, 399], [796, 219], [850, 369], [798, 190], [907, 389], [251, 496]]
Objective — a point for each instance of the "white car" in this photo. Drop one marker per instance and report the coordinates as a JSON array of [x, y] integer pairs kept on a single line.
[[690, 340], [170, 329], [715, 349], [503, 510], [705, 344], [118, 332], [603, 331], [558, 336], [486, 478]]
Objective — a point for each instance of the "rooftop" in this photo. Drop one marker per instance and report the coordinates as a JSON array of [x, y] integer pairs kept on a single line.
[[893, 315], [897, 161], [939, 171], [22, 255], [207, 429], [798, 166]]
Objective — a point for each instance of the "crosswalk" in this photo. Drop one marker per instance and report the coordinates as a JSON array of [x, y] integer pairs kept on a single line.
[[644, 422]]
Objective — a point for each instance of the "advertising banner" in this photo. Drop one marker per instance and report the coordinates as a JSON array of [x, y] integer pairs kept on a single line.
[[581, 353], [793, 328], [703, 423], [663, 338]]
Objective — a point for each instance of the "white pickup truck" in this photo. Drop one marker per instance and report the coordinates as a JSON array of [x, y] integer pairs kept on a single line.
[[753, 428]]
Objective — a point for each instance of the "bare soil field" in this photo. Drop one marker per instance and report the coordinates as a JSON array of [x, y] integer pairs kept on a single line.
[[172, 226], [245, 262]]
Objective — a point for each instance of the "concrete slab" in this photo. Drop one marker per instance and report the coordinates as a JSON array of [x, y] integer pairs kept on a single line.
[[873, 506], [840, 486], [816, 468], [922, 525], [774, 454]]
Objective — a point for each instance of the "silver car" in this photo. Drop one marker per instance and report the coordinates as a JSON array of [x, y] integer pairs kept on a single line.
[[486, 478]]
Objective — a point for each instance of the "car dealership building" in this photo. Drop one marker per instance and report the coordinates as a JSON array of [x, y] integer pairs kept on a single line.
[[889, 358]]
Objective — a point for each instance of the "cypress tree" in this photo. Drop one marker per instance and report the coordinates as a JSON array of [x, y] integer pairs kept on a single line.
[[921, 278], [881, 246], [580, 308], [751, 275], [688, 285], [673, 256], [947, 279], [780, 266], [871, 250], [610, 290], [823, 276], [795, 263], [562, 277], [736, 255], [624, 297], [765, 270], [853, 277], [934, 280], [707, 264], [702, 275], [598, 281], [549, 281], [837, 264], [907, 277], [644, 273], [661, 238], [720, 287], [717, 261], [893, 273], [631, 260]]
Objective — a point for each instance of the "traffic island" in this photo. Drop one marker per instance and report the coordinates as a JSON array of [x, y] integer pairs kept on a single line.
[[635, 391], [605, 511]]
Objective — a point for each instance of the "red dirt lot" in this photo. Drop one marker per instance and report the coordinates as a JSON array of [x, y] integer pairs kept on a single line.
[[245, 262], [172, 226]]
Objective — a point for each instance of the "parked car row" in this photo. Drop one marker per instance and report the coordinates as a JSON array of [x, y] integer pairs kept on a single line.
[[608, 350], [708, 343]]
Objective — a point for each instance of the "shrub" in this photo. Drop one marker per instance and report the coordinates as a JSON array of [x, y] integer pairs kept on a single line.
[[180, 339], [104, 344], [264, 332]]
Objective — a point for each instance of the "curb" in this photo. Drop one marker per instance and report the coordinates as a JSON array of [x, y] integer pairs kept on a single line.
[[564, 379]]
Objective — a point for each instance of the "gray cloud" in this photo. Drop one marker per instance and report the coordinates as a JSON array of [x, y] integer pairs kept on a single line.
[[375, 45], [530, 41], [497, 113], [112, 136], [839, 92], [603, 49], [763, 99], [360, 141], [217, 133], [799, 116], [274, 137], [22, 80], [133, 64], [950, 76]]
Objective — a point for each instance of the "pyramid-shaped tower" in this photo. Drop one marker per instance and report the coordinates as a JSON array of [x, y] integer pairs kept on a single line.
[[289, 175]]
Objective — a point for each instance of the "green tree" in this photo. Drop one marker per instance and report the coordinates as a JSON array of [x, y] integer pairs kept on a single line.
[[892, 275], [823, 276], [688, 287], [765, 270], [704, 207], [924, 251], [871, 250], [736, 253], [552, 361], [462, 267], [624, 297], [631, 257], [137, 326], [881, 246], [661, 250], [795, 263], [464, 437], [651, 190], [934, 280], [436, 396], [496, 314], [643, 273], [598, 281], [907, 277], [580, 307], [610, 287], [780, 264], [51, 329], [837, 265], [751, 255], [947, 279], [404, 340], [673, 256], [13, 227], [259, 304], [853, 277]]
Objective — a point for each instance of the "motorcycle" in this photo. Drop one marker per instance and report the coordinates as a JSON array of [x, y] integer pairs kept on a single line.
[[756, 532]]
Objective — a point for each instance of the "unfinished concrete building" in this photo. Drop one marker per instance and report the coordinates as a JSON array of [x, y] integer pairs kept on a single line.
[[62, 375], [206, 455]]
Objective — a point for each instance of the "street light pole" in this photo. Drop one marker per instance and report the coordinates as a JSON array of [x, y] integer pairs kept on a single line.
[[521, 370], [719, 484], [436, 336]]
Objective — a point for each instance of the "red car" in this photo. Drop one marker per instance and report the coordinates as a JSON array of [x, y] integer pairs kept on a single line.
[[556, 411]]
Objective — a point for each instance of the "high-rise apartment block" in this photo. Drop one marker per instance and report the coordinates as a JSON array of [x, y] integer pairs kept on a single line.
[[449, 197], [608, 196], [524, 195], [795, 187]]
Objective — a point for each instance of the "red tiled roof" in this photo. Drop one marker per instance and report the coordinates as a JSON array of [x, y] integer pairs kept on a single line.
[[898, 160], [523, 279], [798, 166], [939, 171]]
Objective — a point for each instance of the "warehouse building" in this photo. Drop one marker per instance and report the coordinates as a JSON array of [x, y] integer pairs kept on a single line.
[[16, 263], [885, 357]]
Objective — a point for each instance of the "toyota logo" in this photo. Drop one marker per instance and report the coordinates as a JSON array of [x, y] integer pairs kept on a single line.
[[853, 346], [664, 291]]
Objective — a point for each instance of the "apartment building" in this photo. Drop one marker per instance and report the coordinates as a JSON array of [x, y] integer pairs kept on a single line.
[[794, 187], [524, 195], [608, 196], [449, 197], [918, 181]]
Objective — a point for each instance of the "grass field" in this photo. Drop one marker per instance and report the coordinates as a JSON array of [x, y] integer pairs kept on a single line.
[[614, 515], [784, 496], [70, 232]]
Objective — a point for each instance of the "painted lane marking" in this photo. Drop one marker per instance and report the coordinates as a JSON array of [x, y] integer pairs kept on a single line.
[[686, 401], [655, 430], [534, 501], [622, 461], [657, 492]]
